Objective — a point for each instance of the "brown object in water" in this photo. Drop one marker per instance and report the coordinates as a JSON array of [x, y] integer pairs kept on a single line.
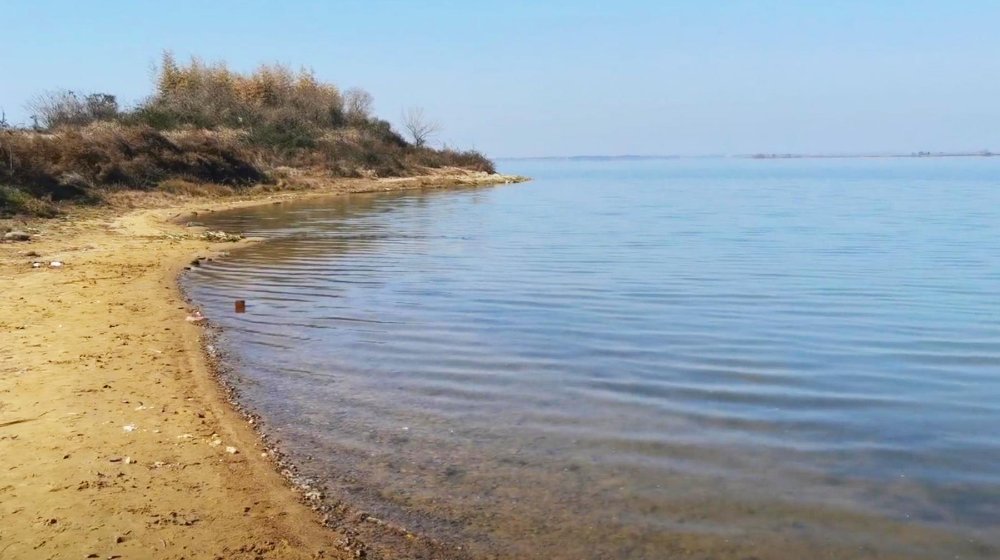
[[241, 306]]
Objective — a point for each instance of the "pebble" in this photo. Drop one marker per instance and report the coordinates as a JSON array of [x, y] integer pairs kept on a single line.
[[221, 236], [16, 236], [195, 317]]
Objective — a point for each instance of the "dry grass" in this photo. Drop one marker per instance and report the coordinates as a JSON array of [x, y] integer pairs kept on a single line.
[[182, 187], [17, 202], [70, 162], [210, 96], [205, 124]]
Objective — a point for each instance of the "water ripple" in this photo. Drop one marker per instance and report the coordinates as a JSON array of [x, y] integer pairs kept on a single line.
[[723, 359]]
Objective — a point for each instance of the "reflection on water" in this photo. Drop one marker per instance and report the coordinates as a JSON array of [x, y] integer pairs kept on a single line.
[[697, 359]]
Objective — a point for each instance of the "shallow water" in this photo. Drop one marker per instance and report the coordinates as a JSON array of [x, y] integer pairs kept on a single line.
[[645, 359]]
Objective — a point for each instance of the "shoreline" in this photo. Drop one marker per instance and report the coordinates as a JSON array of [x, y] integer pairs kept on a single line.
[[118, 438]]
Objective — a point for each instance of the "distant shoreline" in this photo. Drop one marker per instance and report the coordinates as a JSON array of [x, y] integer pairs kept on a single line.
[[914, 155]]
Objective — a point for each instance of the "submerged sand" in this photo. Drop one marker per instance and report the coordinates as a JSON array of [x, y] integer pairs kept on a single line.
[[115, 438]]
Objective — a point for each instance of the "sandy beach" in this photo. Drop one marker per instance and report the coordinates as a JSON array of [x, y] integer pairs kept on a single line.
[[116, 439]]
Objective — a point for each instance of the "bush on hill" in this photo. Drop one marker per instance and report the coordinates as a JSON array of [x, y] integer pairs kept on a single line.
[[205, 124]]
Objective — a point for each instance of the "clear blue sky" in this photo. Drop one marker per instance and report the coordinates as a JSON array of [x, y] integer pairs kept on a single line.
[[568, 77]]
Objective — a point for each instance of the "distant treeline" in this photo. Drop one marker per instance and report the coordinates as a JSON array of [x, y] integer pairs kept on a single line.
[[208, 124]]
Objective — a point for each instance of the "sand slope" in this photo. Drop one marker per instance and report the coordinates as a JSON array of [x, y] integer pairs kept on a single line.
[[113, 432]]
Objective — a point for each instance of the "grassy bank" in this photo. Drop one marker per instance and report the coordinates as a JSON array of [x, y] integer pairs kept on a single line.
[[204, 127]]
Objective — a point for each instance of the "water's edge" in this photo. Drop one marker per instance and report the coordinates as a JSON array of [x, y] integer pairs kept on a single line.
[[363, 535], [371, 462]]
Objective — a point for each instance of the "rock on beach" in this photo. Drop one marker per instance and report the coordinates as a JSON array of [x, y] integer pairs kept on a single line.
[[16, 236]]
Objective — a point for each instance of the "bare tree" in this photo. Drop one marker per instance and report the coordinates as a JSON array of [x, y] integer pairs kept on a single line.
[[420, 128], [357, 104]]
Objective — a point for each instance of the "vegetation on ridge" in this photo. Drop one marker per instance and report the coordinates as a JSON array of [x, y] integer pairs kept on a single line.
[[207, 124]]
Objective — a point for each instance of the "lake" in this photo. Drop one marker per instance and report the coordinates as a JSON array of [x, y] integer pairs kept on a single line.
[[678, 358]]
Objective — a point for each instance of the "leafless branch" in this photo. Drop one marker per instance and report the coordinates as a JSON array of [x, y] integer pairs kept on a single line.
[[420, 128]]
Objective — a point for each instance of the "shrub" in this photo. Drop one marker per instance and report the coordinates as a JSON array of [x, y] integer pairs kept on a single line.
[[14, 202], [357, 105], [446, 157], [68, 164], [382, 131], [188, 188], [285, 132], [209, 96], [207, 124], [67, 108]]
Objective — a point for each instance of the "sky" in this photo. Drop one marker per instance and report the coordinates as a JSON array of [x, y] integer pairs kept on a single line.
[[557, 78]]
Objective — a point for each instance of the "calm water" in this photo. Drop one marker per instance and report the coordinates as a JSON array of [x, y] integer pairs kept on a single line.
[[655, 359]]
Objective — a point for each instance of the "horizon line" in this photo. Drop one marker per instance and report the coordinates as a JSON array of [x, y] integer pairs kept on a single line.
[[767, 155]]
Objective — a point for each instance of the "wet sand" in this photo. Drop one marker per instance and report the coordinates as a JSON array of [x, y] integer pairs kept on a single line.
[[115, 438]]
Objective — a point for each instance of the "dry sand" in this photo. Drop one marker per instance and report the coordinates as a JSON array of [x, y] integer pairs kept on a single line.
[[116, 441]]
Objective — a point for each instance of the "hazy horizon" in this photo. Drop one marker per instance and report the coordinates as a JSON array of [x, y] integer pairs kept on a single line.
[[569, 78], [768, 155]]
